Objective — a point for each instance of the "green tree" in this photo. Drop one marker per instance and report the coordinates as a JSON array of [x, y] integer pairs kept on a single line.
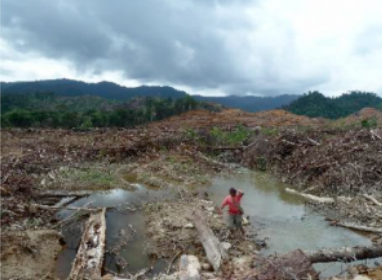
[[19, 118], [70, 120]]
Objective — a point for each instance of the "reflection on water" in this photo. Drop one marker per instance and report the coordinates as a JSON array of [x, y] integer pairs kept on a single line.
[[278, 216]]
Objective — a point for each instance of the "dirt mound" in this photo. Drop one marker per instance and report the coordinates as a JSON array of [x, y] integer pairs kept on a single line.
[[362, 115], [369, 113]]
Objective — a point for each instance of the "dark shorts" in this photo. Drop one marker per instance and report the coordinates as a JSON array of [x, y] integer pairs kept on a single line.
[[234, 221]]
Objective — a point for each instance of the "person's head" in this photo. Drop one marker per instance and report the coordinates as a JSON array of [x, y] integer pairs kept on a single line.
[[232, 191]]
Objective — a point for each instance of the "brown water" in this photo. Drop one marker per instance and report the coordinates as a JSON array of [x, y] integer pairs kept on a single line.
[[278, 217], [283, 220], [116, 220]]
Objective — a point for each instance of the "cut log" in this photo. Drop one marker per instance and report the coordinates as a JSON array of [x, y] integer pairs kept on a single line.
[[356, 227], [311, 197], [216, 254], [89, 259], [345, 254]]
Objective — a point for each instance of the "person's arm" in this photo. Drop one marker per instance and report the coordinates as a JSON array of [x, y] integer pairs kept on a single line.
[[240, 193]]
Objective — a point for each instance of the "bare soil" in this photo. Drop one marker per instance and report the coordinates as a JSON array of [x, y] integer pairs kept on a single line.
[[29, 254]]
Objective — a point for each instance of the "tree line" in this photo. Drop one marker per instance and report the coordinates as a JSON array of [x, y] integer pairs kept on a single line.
[[45, 110], [315, 104]]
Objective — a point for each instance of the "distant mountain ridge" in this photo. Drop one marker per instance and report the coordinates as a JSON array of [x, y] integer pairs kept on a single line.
[[112, 91], [107, 90]]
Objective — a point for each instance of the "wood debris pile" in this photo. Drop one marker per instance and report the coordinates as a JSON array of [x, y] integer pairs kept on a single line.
[[346, 167], [329, 162]]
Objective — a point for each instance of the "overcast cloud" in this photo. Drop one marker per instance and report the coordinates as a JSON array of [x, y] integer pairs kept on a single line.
[[261, 47]]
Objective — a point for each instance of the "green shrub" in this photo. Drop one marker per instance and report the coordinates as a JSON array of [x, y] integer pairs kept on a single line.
[[232, 138], [369, 123]]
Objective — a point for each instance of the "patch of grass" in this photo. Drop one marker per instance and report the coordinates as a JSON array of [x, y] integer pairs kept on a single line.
[[269, 131], [89, 176], [231, 138], [369, 123]]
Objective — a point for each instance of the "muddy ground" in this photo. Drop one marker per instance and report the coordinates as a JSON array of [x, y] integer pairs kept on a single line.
[[176, 168], [180, 151], [171, 229], [29, 254]]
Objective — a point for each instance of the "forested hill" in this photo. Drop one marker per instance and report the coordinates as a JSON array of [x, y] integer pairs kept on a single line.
[[107, 90], [315, 104], [45, 109], [112, 91]]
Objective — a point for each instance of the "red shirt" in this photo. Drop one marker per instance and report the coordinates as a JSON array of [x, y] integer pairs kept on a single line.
[[233, 203]]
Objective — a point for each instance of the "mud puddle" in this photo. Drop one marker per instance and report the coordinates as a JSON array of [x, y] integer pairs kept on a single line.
[[282, 219], [278, 217]]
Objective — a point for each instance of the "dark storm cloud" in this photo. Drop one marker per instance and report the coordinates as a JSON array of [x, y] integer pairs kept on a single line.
[[198, 44]]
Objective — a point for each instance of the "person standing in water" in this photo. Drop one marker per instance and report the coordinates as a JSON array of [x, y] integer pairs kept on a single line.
[[235, 211]]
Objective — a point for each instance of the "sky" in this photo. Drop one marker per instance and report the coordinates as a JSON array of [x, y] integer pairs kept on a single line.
[[207, 47]]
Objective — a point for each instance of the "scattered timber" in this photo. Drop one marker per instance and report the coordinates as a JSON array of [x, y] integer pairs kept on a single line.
[[291, 266], [34, 207], [310, 197], [372, 199], [345, 254], [216, 254], [356, 227], [89, 259], [65, 201]]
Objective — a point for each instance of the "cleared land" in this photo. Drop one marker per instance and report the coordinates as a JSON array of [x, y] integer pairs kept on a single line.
[[319, 157]]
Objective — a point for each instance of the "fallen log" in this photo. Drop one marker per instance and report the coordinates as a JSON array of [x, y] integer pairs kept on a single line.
[[311, 197], [372, 199], [314, 142], [65, 201], [64, 193], [89, 259], [34, 207], [345, 254], [216, 254], [356, 227]]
